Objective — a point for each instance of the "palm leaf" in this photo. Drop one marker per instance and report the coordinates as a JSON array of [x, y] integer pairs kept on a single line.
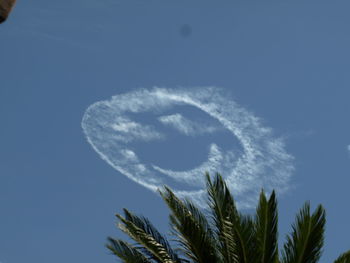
[[148, 228], [304, 245], [191, 229], [343, 258], [245, 238], [222, 207], [266, 229], [235, 231], [158, 251], [125, 251]]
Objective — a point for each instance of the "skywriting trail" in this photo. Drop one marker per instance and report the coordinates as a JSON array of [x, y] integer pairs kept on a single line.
[[110, 128]]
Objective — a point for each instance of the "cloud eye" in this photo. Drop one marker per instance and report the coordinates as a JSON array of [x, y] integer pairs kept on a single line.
[[127, 131], [186, 126], [126, 126]]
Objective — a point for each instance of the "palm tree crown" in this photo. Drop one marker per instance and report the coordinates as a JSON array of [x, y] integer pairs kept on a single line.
[[225, 236]]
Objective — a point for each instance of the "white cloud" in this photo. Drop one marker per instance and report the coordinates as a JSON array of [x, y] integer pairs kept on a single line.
[[185, 125], [129, 131], [264, 161]]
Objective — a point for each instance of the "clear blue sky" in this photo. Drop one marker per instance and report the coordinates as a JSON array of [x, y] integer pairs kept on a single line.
[[286, 62]]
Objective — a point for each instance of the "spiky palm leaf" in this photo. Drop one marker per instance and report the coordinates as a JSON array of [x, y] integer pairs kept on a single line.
[[235, 231], [343, 258], [148, 228], [304, 245], [245, 239], [223, 209], [126, 251], [266, 234], [191, 228], [158, 251]]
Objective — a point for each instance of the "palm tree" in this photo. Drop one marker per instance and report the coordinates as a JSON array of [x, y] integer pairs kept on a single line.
[[222, 234]]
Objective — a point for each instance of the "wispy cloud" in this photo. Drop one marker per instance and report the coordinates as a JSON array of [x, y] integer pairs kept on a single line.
[[263, 162], [128, 130], [185, 125]]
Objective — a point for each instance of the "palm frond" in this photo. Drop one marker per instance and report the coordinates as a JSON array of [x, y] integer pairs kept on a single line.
[[266, 221], [343, 258], [245, 238], [148, 228], [304, 245], [236, 232], [191, 228], [126, 251], [158, 251], [222, 208]]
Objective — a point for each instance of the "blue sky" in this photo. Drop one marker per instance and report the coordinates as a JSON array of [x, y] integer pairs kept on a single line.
[[283, 62]]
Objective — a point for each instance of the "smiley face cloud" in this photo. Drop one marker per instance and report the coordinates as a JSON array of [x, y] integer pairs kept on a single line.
[[119, 127]]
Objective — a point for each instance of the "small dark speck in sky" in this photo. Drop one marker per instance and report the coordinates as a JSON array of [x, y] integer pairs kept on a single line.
[[186, 30]]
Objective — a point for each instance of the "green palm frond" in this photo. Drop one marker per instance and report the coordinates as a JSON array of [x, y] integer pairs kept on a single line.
[[235, 231], [125, 251], [191, 228], [223, 208], [304, 245], [343, 258], [148, 228], [245, 238], [266, 229], [158, 251]]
